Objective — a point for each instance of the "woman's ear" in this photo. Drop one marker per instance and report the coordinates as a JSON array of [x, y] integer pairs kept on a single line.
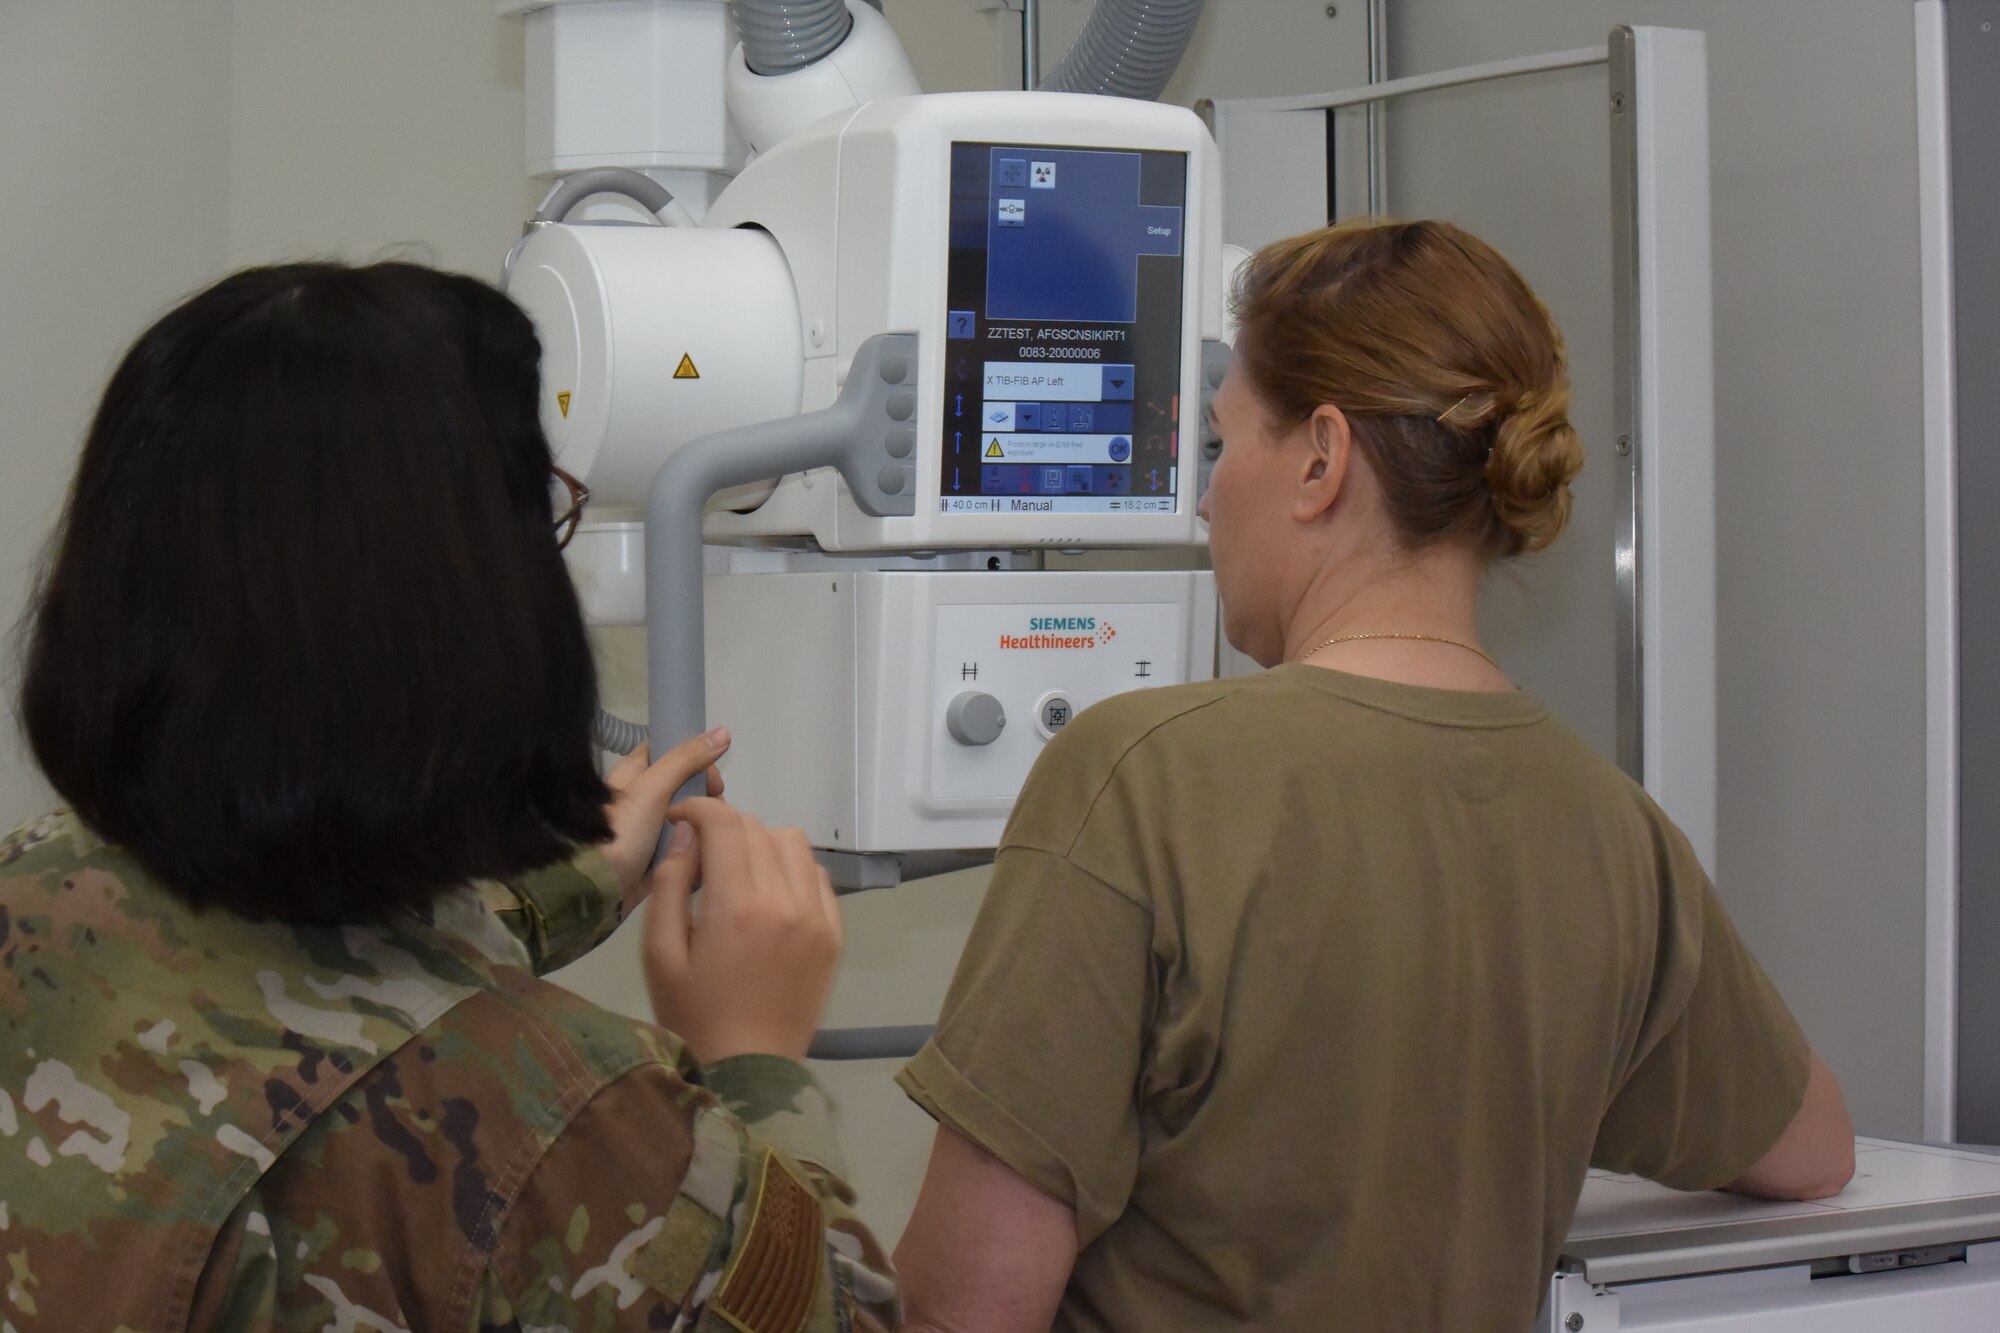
[[1329, 450]]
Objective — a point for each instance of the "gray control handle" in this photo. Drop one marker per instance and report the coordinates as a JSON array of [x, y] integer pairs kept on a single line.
[[867, 434]]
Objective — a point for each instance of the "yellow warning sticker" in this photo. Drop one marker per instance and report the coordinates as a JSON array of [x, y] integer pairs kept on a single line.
[[685, 370], [562, 402], [993, 450]]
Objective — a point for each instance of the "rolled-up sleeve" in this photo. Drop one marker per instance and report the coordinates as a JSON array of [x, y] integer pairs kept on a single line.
[[560, 912], [1727, 1074], [1037, 1053]]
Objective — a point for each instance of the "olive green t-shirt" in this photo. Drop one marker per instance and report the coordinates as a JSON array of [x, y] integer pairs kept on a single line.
[[1316, 995]]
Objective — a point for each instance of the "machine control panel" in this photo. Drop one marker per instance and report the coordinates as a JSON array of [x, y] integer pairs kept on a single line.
[[1063, 331], [1045, 661]]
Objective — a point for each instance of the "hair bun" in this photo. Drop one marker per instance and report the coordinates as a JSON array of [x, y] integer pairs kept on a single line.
[[1536, 453]]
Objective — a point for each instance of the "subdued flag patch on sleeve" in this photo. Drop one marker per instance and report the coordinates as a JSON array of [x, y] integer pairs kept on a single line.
[[770, 1285]]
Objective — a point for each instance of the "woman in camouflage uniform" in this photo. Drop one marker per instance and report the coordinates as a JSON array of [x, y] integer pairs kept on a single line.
[[307, 668]]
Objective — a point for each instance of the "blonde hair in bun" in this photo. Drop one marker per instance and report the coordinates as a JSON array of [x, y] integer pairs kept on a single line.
[[1450, 371]]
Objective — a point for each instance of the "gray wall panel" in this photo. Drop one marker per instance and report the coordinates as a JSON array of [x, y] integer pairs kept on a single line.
[[1972, 81], [1819, 479]]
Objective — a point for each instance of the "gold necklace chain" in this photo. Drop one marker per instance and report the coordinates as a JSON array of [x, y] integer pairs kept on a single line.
[[1421, 638]]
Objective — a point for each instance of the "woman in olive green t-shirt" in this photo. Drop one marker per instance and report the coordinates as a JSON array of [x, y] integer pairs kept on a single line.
[[1306, 1000]]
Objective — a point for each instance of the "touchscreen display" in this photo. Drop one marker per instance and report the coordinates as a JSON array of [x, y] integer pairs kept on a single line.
[[1063, 330]]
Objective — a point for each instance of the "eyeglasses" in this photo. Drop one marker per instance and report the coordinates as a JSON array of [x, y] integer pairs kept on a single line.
[[572, 513]]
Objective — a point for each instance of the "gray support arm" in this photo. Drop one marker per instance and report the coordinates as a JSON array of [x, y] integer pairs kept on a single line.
[[868, 434], [885, 1043]]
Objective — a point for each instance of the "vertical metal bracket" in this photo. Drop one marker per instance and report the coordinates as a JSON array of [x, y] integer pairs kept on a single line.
[[1665, 413], [1378, 119], [1631, 656]]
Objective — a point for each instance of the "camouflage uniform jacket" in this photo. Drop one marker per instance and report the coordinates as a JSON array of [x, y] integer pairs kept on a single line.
[[208, 1122]]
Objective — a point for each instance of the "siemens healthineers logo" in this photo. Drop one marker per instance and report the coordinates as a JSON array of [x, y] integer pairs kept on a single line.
[[1046, 632]]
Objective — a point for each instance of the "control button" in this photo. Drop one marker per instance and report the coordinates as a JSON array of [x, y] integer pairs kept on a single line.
[[1053, 713], [1118, 382], [895, 369], [1120, 449], [958, 324], [900, 442], [1013, 212], [1013, 171], [902, 405], [892, 480], [975, 718]]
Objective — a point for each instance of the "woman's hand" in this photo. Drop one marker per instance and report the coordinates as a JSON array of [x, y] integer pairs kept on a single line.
[[752, 974], [641, 793]]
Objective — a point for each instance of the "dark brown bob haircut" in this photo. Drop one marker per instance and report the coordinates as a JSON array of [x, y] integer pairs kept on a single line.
[[305, 646]]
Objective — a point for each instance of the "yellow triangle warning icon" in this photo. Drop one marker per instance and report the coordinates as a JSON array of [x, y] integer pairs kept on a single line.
[[685, 370], [993, 450], [562, 402]]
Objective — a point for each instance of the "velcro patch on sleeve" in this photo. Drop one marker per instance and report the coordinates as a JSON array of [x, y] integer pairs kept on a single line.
[[676, 1258], [770, 1285]]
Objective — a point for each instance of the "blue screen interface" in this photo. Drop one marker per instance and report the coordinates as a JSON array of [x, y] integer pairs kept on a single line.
[[1063, 330]]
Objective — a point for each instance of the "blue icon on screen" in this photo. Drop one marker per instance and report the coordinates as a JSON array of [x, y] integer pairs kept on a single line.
[[1109, 418], [1058, 416], [1121, 449], [1013, 171], [1081, 415], [959, 324], [1027, 416], [1118, 381], [1052, 480]]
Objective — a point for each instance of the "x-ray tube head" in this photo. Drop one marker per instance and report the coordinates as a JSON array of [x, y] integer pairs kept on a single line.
[[652, 336]]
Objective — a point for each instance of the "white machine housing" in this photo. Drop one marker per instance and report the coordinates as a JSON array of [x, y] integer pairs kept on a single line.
[[840, 679], [1912, 1243], [885, 172], [858, 206], [653, 336], [631, 83], [838, 684]]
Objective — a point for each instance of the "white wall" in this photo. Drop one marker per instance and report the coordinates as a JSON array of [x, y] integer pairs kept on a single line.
[[114, 143], [1819, 500], [376, 127], [150, 148]]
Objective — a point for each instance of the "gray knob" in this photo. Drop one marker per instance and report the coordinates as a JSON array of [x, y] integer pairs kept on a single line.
[[974, 718]]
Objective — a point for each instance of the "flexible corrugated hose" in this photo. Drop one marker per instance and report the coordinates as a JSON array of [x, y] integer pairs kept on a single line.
[[1128, 48], [615, 734], [780, 36]]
